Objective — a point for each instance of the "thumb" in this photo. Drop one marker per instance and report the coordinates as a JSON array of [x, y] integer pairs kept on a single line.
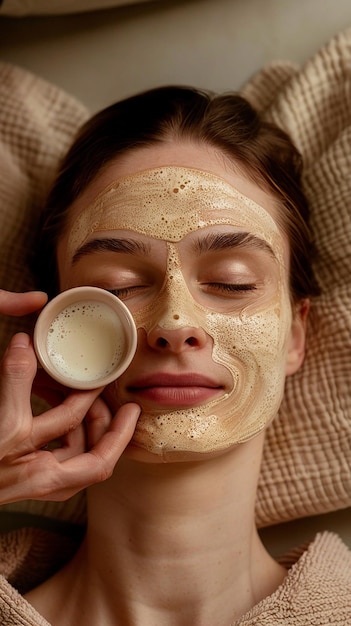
[[18, 369]]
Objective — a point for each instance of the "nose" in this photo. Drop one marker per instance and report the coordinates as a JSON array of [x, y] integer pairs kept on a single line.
[[178, 324], [177, 340]]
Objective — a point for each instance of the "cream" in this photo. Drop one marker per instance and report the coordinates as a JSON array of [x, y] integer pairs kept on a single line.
[[86, 341]]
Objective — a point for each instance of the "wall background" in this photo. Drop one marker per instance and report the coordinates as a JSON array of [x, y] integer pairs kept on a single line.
[[103, 55]]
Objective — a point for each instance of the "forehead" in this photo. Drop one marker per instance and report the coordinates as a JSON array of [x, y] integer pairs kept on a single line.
[[168, 203]]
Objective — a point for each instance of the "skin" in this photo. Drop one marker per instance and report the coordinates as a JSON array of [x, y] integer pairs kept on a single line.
[[176, 543]]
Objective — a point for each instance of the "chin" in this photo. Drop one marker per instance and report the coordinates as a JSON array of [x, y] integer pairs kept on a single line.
[[160, 438], [137, 453]]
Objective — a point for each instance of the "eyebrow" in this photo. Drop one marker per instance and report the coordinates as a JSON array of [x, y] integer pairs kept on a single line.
[[208, 243], [223, 241], [126, 246]]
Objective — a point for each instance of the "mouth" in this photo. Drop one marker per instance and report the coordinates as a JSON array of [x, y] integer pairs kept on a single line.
[[174, 391]]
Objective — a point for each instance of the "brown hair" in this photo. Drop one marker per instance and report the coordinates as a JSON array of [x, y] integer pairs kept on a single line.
[[227, 122]]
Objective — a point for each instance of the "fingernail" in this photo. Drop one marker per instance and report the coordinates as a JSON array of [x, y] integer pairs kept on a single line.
[[21, 340]]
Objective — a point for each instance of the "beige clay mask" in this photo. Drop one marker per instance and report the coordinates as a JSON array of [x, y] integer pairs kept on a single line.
[[169, 203]]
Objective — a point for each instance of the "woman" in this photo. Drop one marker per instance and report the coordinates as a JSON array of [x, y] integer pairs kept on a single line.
[[189, 208]]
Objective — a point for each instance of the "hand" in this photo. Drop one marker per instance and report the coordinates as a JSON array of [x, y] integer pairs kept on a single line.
[[21, 303], [27, 468]]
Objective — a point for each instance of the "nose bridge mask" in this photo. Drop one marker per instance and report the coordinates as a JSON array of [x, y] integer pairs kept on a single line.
[[174, 307]]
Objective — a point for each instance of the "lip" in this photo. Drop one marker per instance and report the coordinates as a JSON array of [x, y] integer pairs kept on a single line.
[[174, 390]]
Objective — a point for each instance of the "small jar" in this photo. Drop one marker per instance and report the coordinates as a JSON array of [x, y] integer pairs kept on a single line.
[[85, 337]]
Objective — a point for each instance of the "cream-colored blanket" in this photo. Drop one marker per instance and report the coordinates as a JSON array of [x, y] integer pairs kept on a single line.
[[307, 458]]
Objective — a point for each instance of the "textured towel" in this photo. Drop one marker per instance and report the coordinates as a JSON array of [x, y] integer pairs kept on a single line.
[[316, 591]]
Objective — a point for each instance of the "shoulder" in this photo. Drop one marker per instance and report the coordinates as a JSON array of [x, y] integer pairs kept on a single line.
[[319, 584], [327, 558], [15, 610], [316, 590], [28, 556]]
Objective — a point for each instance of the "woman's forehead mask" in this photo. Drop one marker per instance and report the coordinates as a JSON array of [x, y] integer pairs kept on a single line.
[[168, 203]]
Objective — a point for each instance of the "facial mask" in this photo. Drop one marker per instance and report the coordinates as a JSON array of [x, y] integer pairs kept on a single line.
[[168, 203], [250, 344]]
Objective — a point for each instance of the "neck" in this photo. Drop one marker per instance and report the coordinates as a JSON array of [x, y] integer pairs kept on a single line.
[[176, 543]]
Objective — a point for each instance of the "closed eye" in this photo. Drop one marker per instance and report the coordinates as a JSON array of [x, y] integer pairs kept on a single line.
[[126, 292], [232, 288]]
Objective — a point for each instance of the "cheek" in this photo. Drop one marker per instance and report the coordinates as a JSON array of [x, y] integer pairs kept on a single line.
[[258, 340], [253, 346], [256, 336]]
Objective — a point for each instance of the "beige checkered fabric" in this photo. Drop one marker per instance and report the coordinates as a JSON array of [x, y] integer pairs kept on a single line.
[[307, 458]]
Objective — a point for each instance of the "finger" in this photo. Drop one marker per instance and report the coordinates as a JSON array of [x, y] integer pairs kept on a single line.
[[71, 445], [41, 476], [97, 421], [21, 303], [17, 371], [60, 420], [49, 389], [87, 434], [98, 464]]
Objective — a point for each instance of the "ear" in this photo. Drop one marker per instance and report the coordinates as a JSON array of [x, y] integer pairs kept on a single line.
[[297, 339]]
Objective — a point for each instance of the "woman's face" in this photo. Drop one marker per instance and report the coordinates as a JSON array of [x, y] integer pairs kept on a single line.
[[193, 249]]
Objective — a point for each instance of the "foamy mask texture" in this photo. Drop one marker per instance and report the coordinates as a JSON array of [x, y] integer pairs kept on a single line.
[[86, 341], [168, 203]]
